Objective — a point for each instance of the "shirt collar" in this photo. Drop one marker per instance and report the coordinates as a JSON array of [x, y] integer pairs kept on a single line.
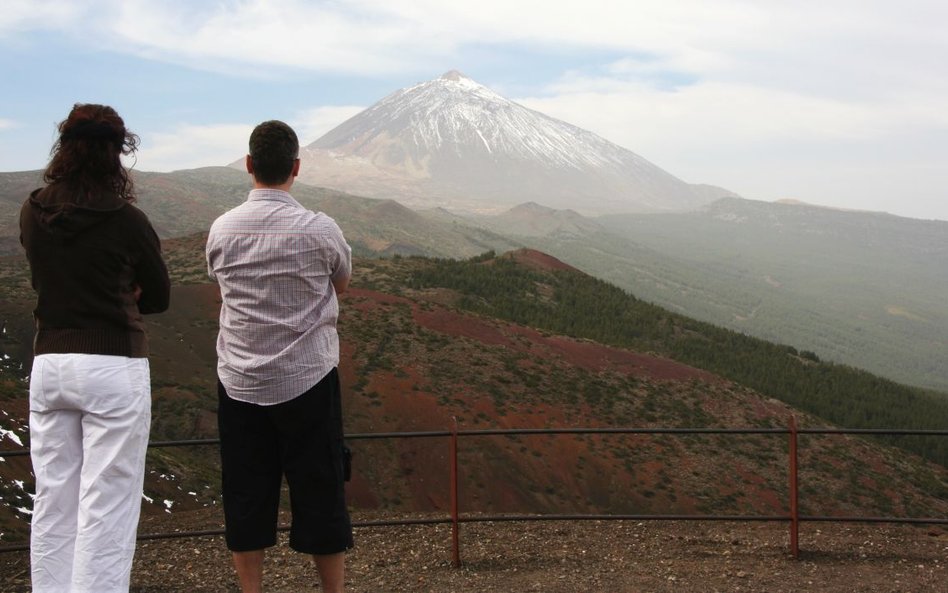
[[275, 195]]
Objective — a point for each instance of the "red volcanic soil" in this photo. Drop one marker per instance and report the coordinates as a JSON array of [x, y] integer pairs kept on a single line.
[[582, 353], [491, 374], [551, 473], [538, 260]]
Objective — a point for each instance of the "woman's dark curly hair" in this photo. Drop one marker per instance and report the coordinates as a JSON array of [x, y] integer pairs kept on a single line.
[[87, 155]]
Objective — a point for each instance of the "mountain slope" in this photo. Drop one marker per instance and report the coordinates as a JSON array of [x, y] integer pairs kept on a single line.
[[571, 303], [183, 203], [859, 288], [453, 142], [425, 341]]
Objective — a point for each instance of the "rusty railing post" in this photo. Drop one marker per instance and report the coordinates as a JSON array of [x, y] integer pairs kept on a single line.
[[455, 519], [794, 492]]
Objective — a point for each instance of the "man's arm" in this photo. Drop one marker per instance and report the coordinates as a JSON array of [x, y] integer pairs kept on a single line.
[[209, 252], [342, 268], [340, 284], [343, 273]]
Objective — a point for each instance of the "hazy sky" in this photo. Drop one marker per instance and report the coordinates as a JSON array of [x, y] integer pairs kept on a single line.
[[835, 102]]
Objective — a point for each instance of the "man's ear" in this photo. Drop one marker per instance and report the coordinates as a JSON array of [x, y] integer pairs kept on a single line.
[[249, 163], [296, 167]]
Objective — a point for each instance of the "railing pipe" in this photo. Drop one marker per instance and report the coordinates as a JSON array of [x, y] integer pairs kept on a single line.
[[455, 519], [455, 511], [794, 492]]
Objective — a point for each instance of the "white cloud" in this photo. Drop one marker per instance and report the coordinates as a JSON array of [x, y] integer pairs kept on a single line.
[[18, 15], [883, 153], [240, 37], [629, 113], [6, 124], [190, 146], [371, 36], [313, 123], [592, 23], [837, 47]]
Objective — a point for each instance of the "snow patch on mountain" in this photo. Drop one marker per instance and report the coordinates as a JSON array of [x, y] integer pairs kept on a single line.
[[447, 111], [452, 142]]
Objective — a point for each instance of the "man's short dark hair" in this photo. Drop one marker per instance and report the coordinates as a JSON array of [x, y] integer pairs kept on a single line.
[[273, 149]]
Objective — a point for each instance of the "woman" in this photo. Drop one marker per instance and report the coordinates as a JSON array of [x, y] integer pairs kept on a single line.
[[96, 268]]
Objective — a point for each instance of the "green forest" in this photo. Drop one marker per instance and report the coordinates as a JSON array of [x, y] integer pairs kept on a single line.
[[574, 304]]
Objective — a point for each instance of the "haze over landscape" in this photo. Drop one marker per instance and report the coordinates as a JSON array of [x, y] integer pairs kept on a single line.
[[484, 172]]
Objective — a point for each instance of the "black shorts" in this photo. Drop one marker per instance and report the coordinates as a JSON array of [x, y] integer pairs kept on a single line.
[[301, 439]]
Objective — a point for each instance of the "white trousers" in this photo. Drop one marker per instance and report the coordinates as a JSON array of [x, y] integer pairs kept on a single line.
[[89, 422]]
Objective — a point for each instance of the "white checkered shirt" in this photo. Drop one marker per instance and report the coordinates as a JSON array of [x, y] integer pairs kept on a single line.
[[275, 262]]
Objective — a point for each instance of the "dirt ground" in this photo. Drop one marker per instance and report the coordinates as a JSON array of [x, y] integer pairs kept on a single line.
[[561, 557]]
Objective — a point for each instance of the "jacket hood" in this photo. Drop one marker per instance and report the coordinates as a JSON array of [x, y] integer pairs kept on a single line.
[[61, 211]]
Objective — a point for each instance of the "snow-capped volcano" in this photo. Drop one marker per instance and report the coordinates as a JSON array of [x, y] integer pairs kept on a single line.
[[454, 143]]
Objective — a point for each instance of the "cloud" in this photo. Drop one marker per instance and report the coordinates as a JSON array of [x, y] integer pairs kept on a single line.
[[6, 124], [240, 37], [19, 15], [712, 112], [190, 146], [313, 123], [767, 143], [844, 46], [376, 37]]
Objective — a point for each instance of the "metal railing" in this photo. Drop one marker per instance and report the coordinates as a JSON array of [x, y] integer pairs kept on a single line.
[[794, 518]]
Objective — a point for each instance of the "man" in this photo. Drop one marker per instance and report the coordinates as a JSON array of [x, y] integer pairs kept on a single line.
[[280, 267]]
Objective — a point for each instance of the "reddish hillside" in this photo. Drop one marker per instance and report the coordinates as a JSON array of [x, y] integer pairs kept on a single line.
[[411, 361], [534, 259]]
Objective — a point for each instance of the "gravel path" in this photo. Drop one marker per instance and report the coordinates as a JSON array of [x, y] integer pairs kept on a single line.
[[561, 557]]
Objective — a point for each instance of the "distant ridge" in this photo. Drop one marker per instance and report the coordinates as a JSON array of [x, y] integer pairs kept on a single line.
[[534, 220], [796, 202]]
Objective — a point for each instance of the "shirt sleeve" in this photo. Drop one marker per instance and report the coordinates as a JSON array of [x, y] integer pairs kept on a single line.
[[340, 253], [209, 253]]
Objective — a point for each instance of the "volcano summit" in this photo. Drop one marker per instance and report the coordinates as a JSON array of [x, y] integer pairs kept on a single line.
[[454, 143]]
